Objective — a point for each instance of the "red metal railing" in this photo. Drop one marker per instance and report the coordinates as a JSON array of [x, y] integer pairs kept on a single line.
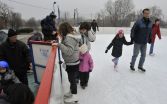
[[44, 91]]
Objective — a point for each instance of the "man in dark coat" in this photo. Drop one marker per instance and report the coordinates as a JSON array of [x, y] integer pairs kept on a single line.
[[16, 53], [141, 34], [94, 26], [49, 27]]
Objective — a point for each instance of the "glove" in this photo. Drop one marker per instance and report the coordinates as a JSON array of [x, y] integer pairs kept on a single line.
[[149, 41], [131, 40], [106, 51]]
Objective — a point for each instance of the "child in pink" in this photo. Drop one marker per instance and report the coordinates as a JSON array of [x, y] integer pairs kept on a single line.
[[86, 66]]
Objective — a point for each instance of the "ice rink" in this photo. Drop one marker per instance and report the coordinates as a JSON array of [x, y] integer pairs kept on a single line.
[[123, 87]]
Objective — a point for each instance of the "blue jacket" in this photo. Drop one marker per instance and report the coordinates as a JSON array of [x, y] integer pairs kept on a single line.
[[141, 31]]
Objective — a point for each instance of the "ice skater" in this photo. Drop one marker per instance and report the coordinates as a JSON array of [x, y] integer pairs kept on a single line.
[[69, 47], [155, 31], [117, 44], [85, 67]]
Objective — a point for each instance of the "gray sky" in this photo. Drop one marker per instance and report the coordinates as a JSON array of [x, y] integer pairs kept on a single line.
[[85, 7]]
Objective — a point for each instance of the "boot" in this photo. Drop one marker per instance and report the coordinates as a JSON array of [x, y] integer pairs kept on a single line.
[[142, 69], [132, 68]]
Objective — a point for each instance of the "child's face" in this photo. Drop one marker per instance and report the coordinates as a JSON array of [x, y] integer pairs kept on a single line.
[[158, 22], [2, 70], [121, 35]]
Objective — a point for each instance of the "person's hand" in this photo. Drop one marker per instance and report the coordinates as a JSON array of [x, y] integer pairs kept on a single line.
[[54, 33], [30, 66], [106, 51], [54, 43], [131, 40]]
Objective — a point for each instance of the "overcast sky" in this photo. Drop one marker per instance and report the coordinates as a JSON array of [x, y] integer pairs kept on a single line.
[[85, 7]]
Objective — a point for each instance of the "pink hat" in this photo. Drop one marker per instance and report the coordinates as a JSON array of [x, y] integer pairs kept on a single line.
[[120, 31]]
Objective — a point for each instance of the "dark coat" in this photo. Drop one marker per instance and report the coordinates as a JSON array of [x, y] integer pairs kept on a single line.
[[4, 100], [141, 31], [117, 44], [94, 25], [17, 55], [48, 26], [155, 31]]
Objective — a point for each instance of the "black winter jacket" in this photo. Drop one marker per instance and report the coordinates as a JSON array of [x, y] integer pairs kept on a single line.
[[17, 55], [117, 44]]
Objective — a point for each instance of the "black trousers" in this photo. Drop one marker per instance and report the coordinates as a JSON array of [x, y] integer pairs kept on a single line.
[[84, 78], [22, 76], [72, 76]]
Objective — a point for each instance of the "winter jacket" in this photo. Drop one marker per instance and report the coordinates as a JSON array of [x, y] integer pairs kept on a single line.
[[86, 62], [4, 100], [70, 49], [155, 31], [141, 31], [94, 25], [48, 26], [17, 55], [7, 79], [88, 37], [117, 44]]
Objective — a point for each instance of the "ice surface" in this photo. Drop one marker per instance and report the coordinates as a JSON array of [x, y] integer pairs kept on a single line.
[[123, 87]]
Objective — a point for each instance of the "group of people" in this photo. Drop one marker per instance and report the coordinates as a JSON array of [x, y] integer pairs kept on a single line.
[[15, 59], [142, 32], [14, 63], [75, 47]]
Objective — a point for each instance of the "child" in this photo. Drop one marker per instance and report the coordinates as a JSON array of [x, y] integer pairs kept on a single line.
[[7, 76], [117, 44], [86, 66], [155, 31], [70, 53]]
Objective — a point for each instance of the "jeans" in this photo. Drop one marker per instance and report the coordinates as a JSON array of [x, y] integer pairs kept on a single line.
[[142, 49], [115, 60], [151, 48]]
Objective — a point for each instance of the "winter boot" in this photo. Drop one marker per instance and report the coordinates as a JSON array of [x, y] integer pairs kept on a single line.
[[132, 68], [141, 69]]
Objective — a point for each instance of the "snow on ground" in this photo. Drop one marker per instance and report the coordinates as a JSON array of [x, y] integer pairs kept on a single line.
[[123, 87]]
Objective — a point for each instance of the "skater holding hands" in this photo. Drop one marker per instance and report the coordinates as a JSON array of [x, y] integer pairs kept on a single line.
[[117, 44]]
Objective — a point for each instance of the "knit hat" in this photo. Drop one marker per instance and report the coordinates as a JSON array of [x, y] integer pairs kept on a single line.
[[120, 31], [11, 33], [4, 64]]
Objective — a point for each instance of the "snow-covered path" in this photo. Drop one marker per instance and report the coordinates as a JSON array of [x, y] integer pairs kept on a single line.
[[125, 87]]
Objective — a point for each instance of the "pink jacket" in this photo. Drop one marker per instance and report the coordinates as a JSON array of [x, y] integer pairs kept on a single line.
[[86, 62]]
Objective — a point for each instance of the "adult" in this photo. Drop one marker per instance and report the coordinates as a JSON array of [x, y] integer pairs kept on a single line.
[[155, 31], [49, 27], [16, 53], [94, 26], [141, 34]]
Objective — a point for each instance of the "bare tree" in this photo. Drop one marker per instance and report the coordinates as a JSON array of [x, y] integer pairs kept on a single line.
[[156, 12], [32, 22], [4, 14], [109, 7], [15, 20]]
